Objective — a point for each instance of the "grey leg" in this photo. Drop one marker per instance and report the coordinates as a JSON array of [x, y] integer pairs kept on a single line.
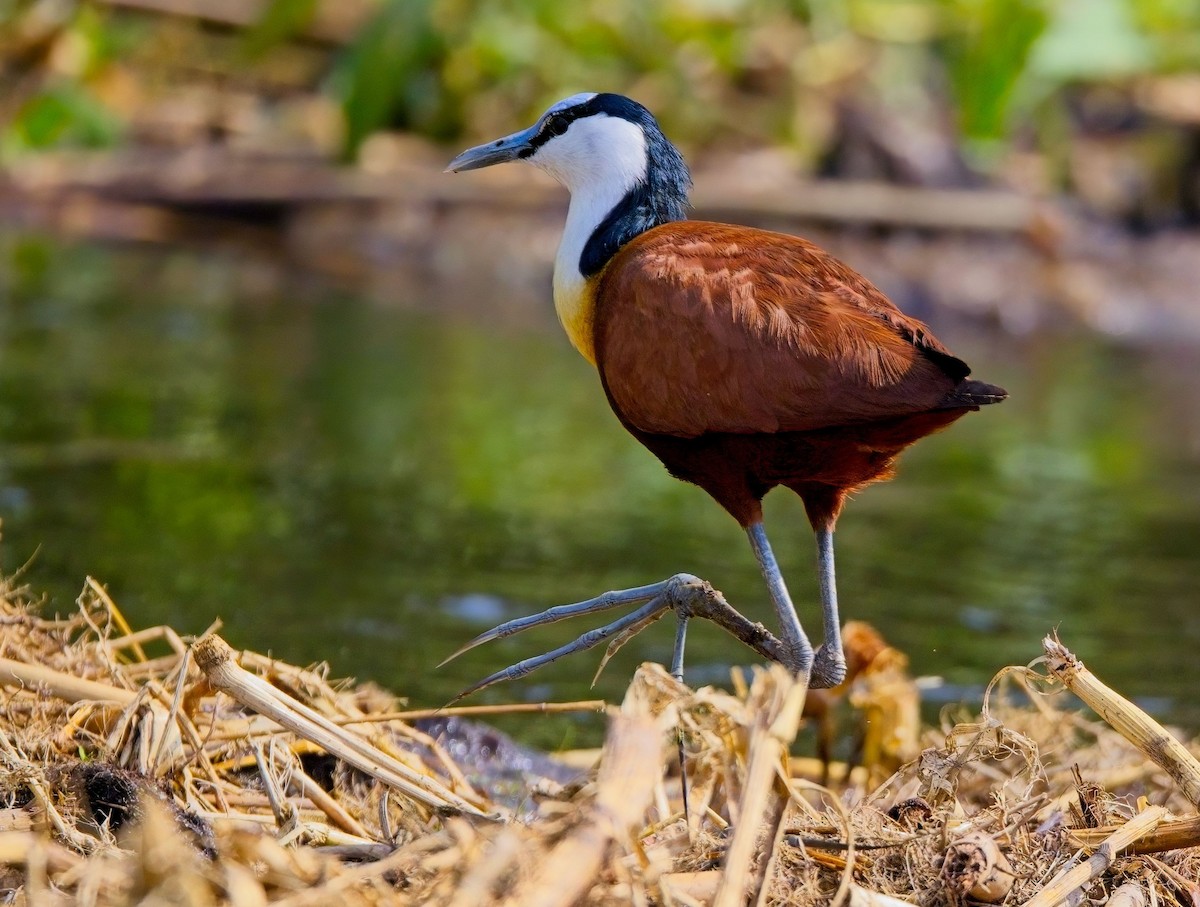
[[798, 656], [677, 653], [829, 667]]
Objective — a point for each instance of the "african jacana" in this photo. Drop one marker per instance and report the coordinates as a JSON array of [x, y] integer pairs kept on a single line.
[[743, 359]]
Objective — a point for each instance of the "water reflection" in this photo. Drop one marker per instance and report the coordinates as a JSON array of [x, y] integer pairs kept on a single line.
[[374, 484]]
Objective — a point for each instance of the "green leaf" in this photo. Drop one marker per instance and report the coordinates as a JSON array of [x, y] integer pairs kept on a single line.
[[987, 58]]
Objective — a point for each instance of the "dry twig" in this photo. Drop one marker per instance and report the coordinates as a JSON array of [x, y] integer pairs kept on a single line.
[[1123, 716]]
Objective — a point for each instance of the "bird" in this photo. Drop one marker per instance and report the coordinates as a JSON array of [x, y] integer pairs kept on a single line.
[[743, 359]]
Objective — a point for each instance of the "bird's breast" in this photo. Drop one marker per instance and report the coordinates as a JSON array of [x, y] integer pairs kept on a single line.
[[575, 303]]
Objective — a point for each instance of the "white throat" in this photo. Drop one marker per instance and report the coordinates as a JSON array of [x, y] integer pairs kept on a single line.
[[599, 159]]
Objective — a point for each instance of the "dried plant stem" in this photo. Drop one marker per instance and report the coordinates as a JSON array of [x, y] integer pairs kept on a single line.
[[768, 746], [1063, 885], [1127, 719], [272, 788], [323, 801], [185, 662], [215, 659], [463, 711], [150, 634], [844, 865], [114, 612], [1174, 835], [864, 897], [64, 686], [625, 788]]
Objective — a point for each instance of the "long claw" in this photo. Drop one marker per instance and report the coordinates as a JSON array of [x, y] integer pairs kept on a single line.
[[603, 602], [623, 637], [687, 595], [588, 640]]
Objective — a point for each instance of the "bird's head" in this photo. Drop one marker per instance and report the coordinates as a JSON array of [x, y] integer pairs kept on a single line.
[[591, 140]]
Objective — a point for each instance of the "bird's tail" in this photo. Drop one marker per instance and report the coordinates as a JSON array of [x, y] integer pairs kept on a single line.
[[974, 393]]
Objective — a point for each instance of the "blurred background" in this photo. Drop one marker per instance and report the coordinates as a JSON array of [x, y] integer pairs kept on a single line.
[[261, 359]]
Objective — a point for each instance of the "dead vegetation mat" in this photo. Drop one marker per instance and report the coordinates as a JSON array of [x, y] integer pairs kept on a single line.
[[142, 768]]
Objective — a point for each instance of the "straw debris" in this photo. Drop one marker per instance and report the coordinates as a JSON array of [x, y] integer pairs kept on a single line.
[[137, 767]]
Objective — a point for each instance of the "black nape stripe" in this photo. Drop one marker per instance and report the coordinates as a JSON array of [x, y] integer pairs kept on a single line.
[[660, 198]]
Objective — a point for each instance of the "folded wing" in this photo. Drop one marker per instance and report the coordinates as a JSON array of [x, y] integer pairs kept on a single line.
[[713, 328]]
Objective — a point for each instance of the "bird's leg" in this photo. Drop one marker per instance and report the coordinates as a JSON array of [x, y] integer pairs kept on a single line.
[[829, 666], [684, 594], [798, 654], [680, 640], [680, 743]]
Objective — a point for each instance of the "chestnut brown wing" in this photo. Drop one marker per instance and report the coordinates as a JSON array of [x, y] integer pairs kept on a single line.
[[713, 328]]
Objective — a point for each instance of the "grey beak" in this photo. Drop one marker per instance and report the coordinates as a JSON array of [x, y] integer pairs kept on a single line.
[[509, 148]]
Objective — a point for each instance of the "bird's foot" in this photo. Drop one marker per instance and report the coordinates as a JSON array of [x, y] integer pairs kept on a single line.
[[828, 669], [688, 596]]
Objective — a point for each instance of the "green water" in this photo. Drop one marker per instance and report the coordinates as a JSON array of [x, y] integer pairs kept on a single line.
[[371, 482]]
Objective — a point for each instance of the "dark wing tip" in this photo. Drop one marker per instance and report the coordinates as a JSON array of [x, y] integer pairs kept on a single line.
[[975, 393]]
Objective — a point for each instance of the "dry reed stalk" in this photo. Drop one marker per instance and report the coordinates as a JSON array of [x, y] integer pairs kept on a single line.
[[1073, 878], [192, 736], [216, 659], [150, 634], [114, 612], [624, 790], [1158, 745], [323, 801], [64, 686], [511, 708], [150, 669], [172, 719], [864, 897], [240, 727], [1176, 834], [306, 824], [770, 739], [274, 790]]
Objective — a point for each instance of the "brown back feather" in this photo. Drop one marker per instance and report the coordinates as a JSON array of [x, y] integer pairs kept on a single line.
[[704, 327]]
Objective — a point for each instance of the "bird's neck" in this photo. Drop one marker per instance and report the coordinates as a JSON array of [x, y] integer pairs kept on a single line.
[[574, 297], [607, 210]]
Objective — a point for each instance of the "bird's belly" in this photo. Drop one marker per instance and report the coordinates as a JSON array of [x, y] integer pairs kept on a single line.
[[738, 469]]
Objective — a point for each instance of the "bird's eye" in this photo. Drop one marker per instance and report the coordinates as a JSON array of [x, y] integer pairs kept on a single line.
[[555, 126]]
